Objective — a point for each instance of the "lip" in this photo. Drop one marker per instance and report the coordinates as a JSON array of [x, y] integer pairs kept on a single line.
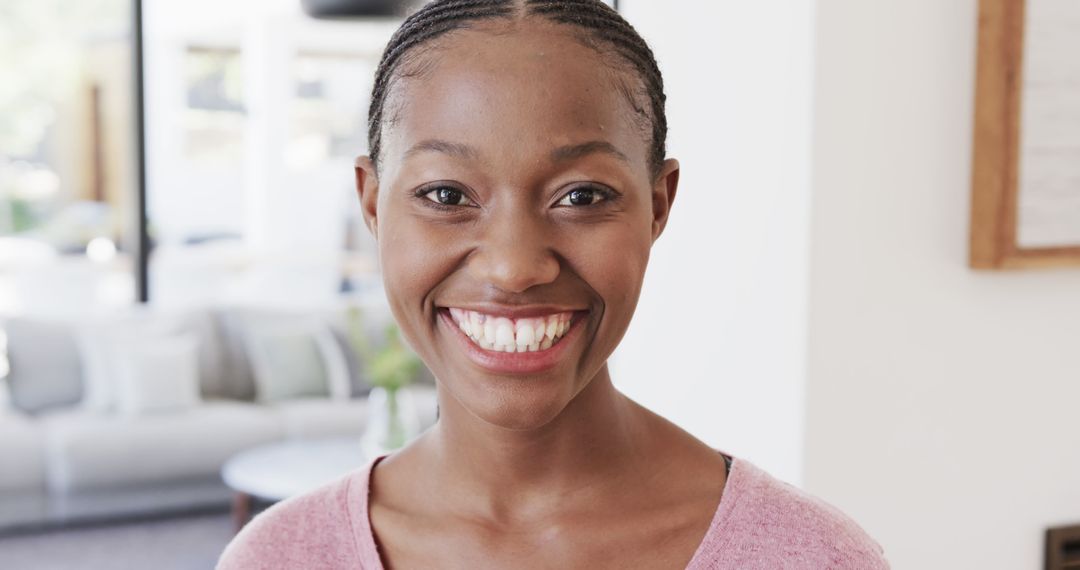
[[515, 362], [512, 312]]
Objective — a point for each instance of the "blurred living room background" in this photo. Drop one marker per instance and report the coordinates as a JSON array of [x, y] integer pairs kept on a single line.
[[810, 307]]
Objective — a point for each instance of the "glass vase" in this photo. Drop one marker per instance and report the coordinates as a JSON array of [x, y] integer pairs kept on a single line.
[[392, 421]]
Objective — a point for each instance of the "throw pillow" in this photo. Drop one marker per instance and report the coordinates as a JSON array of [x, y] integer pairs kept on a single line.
[[103, 342], [5, 369], [158, 374], [45, 371], [5, 394], [337, 367], [291, 362], [237, 325]]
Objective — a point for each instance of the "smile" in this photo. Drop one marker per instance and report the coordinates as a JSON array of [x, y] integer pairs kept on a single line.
[[503, 334]]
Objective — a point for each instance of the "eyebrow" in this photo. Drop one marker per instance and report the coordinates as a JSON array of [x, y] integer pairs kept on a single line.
[[561, 154], [446, 147], [572, 152]]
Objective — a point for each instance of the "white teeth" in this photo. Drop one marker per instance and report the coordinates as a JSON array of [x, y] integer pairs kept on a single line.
[[475, 323], [552, 324], [525, 333], [506, 335], [504, 332]]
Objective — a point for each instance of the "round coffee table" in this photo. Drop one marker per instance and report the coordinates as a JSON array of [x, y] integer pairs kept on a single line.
[[277, 471]]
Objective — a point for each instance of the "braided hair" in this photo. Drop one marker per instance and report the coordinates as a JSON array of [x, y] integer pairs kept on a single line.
[[600, 27]]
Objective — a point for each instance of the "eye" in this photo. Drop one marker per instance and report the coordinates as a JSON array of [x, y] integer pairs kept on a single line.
[[447, 196], [585, 196]]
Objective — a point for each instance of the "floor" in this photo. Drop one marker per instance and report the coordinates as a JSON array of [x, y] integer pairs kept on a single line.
[[189, 542]]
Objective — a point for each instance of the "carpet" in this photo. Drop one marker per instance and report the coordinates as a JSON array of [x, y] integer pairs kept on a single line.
[[189, 542]]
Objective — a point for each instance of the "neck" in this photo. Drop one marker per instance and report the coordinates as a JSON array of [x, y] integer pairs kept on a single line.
[[514, 473]]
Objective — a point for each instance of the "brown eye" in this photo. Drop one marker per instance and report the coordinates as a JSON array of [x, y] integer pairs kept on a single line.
[[448, 196], [583, 197]]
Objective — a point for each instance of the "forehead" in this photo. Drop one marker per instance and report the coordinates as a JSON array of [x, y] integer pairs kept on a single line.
[[512, 90]]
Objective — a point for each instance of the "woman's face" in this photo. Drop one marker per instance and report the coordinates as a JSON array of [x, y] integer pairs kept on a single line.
[[514, 209]]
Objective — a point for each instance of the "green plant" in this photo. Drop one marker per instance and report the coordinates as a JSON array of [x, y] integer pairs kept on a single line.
[[391, 366]]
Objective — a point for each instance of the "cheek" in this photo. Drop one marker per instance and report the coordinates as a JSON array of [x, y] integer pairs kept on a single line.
[[613, 265], [414, 258], [615, 269], [622, 253]]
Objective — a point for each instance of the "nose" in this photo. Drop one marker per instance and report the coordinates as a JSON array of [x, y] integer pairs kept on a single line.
[[515, 254]]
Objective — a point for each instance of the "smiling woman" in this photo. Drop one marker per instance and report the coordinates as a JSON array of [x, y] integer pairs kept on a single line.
[[516, 184]]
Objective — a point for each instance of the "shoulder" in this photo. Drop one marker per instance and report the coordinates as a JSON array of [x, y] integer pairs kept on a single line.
[[313, 530], [767, 523]]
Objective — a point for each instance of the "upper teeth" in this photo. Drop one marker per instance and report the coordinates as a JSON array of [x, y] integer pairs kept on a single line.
[[512, 335]]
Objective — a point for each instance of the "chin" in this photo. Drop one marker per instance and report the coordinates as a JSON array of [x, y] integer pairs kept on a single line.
[[527, 419], [519, 408]]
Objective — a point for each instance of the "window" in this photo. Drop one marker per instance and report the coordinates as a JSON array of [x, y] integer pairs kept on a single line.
[[65, 143]]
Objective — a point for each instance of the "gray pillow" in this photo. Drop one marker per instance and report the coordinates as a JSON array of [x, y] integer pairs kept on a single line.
[[287, 364], [46, 371], [358, 376], [238, 381]]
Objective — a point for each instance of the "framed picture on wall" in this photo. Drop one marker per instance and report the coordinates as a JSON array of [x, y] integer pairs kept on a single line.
[[1025, 208]]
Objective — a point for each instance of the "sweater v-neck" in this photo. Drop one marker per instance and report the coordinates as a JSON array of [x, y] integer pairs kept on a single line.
[[760, 523], [367, 548]]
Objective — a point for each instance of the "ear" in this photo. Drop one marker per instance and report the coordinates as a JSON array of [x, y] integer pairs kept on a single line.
[[367, 189], [663, 196]]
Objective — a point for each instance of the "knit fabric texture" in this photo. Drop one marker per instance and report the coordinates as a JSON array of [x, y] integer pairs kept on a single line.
[[760, 523]]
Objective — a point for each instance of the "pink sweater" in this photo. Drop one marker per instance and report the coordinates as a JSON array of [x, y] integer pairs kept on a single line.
[[761, 522]]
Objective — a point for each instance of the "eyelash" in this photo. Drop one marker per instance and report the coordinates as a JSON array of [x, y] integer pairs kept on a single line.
[[607, 195], [423, 193]]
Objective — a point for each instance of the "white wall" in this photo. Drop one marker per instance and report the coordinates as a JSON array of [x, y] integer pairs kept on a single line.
[[942, 402], [718, 341]]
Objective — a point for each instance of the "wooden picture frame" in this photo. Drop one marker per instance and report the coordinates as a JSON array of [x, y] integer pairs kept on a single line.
[[996, 159], [1062, 548]]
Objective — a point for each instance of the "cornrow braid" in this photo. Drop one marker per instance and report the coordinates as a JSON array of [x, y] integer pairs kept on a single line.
[[431, 21], [605, 24], [601, 25]]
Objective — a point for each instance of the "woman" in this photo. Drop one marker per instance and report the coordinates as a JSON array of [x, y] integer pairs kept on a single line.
[[516, 183]]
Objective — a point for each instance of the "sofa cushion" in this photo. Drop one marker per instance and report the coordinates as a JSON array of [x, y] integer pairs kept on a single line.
[[103, 341], [237, 324], [158, 375], [5, 394], [45, 369], [22, 454], [295, 362], [320, 417], [86, 450], [310, 418]]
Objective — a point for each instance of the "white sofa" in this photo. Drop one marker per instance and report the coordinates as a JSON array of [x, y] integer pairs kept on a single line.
[[63, 461]]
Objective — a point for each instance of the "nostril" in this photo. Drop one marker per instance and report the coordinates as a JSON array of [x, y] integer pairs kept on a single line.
[[514, 270]]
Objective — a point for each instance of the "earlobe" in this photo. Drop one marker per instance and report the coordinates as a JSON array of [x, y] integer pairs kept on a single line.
[[367, 190], [663, 196]]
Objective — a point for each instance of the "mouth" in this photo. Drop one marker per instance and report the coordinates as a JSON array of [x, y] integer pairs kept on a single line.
[[513, 344], [505, 334]]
